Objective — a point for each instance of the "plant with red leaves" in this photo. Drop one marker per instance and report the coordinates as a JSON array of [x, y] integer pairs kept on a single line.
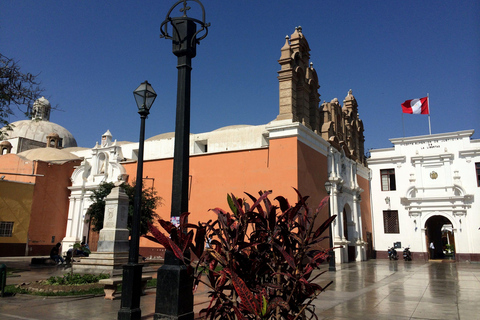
[[261, 261], [181, 239]]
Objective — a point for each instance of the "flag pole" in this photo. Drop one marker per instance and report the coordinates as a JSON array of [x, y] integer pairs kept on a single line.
[[429, 125], [403, 125]]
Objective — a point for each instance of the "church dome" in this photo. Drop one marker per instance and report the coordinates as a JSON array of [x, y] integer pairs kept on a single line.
[[40, 127], [48, 155], [38, 130]]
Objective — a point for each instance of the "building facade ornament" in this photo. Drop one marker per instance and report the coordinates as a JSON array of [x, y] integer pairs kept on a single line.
[[100, 164]]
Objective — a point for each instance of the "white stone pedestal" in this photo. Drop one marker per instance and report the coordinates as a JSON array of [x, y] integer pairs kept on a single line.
[[112, 251]]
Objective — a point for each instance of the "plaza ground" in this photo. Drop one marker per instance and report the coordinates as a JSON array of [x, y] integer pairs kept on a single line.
[[375, 289]]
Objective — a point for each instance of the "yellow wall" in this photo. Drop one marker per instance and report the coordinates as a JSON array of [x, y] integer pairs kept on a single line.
[[15, 205], [37, 192]]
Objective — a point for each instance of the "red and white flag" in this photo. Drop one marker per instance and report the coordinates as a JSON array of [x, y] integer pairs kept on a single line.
[[416, 106]]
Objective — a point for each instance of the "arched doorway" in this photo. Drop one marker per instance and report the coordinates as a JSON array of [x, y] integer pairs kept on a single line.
[[439, 231], [349, 232]]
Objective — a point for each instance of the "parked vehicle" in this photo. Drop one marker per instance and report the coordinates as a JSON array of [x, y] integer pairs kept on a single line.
[[392, 254], [407, 255]]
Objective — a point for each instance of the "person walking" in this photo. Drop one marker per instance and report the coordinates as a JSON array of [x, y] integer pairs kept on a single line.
[[432, 250]]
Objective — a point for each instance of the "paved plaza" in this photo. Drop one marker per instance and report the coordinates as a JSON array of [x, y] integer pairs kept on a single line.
[[375, 289]]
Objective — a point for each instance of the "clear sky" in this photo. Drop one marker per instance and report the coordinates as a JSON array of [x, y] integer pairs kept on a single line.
[[91, 55]]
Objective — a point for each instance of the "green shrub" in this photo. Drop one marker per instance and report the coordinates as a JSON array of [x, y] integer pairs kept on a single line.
[[75, 279]]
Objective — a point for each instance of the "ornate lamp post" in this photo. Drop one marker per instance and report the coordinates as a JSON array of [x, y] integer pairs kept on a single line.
[[331, 264], [132, 271], [174, 298]]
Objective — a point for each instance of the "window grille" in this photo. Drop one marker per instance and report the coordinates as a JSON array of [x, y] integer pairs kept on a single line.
[[6, 229], [390, 221]]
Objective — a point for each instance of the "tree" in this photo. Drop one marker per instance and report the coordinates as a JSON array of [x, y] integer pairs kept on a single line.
[[149, 202], [16, 89]]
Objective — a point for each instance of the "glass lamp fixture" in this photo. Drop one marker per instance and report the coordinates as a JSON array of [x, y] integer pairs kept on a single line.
[[144, 96]]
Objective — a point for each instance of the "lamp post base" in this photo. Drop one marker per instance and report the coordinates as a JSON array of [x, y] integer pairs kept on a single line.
[[331, 263], [131, 292], [129, 314], [174, 299]]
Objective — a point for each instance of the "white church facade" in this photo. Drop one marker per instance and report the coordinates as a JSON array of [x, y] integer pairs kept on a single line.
[[425, 189]]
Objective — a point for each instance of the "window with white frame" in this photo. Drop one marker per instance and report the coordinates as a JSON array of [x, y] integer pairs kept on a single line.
[[388, 179], [6, 228]]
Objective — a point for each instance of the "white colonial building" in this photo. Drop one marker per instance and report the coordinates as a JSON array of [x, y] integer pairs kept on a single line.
[[426, 189]]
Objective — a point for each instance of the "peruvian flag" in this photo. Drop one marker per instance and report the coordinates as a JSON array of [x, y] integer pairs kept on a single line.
[[416, 106]]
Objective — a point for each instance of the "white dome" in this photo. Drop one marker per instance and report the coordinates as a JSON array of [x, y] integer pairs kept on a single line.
[[38, 130], [48, 154]]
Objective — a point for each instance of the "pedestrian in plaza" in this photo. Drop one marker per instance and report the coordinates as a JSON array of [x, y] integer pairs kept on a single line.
[[83, 251], [55, 254], [432, 250]]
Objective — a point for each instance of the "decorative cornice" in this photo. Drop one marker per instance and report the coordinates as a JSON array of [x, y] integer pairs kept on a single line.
[[447, 135], [456, 204], [436, 157], [391, 160], [469, 153]]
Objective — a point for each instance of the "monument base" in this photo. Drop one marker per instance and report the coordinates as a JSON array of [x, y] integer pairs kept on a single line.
[[101, 262]]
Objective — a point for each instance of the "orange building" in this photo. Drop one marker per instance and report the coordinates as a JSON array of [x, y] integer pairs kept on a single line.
[[34, 200], [305, 146], [294, 157]]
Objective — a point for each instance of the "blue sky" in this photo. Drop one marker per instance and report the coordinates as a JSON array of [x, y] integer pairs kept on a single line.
[[91, 55]]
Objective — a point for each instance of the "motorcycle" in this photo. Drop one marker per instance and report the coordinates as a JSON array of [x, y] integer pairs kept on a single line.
[[407, 255], [392, 254]]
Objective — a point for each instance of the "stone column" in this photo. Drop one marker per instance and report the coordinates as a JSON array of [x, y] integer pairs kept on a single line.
[[114, 235]]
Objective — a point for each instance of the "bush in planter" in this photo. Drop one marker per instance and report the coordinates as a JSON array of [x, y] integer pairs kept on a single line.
[[260, 259]]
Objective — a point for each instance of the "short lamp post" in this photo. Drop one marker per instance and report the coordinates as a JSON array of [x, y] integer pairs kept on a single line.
[[331, 264], [132, 271]]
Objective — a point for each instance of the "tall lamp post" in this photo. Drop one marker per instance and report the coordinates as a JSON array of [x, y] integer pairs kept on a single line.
[[174, 298], [331, 263], [132, 271]]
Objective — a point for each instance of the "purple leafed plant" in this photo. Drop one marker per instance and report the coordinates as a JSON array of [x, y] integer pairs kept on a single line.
[[181, 241], [261, 259]]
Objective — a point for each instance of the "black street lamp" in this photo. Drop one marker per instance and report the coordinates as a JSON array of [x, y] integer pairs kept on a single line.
[[174, 298], [185, 38], [331, 263], [132, 271]]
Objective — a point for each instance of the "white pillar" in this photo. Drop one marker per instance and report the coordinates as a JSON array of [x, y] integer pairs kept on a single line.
[[339, 219], [70, 235], [360, 245]]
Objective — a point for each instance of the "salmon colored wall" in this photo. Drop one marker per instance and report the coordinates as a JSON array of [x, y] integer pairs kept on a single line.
[[15, 206], [50, 205], [215, 175], [15, 164], [312, 174]]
